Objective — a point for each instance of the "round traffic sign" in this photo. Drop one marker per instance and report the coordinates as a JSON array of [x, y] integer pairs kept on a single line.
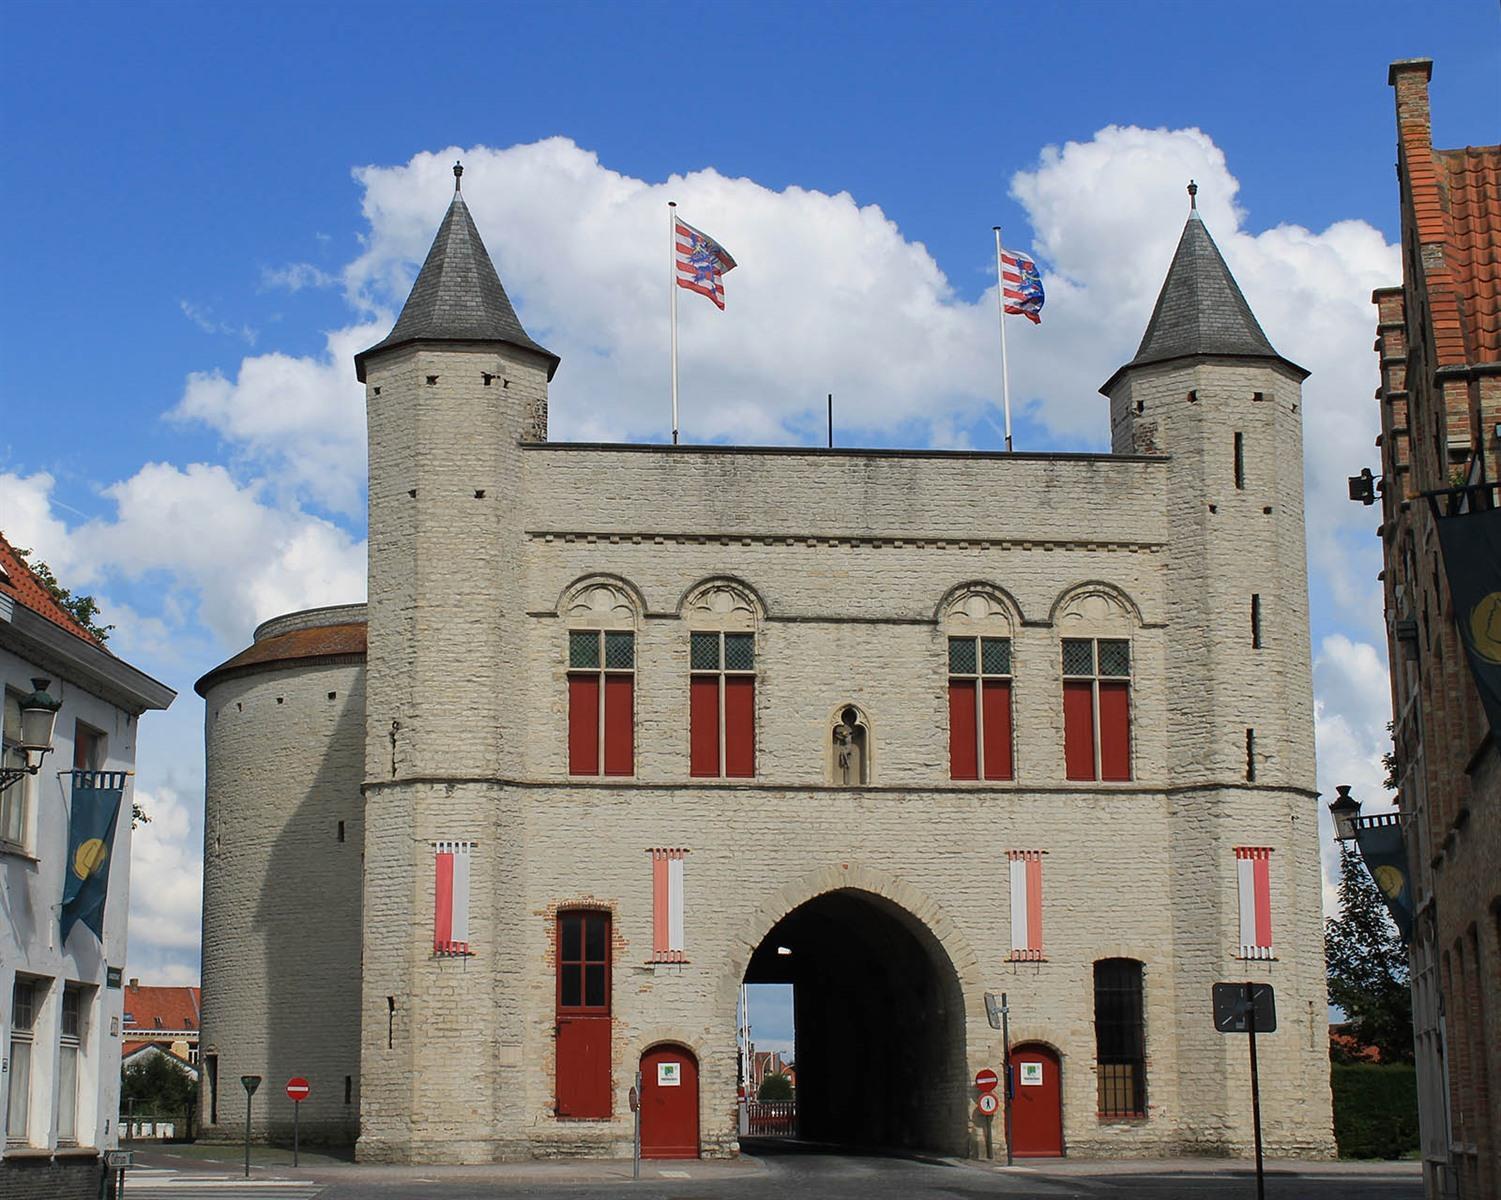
[[989, 1102], [987, 1080], [298, 1089]]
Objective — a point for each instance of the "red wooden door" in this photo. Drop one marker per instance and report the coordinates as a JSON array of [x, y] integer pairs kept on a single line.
[[583, 1014], [669, 1103], [1037, 1104]]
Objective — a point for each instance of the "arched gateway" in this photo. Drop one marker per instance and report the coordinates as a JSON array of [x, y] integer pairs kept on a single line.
[[879, 1008]]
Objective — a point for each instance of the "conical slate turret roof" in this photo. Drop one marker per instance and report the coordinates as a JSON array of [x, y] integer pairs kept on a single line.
[[1200, 310], [458, 296]]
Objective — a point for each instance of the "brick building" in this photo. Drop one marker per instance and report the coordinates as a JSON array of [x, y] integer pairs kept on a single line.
[[1039, 723], [1439, 341], [166, 1017]]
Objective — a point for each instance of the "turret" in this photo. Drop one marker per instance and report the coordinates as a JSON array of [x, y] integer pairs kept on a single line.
[[1207, 387], [450, 393]]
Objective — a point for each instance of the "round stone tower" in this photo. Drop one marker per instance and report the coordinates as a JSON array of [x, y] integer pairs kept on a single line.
[[450, 394], [283, 832], [1207, 388]]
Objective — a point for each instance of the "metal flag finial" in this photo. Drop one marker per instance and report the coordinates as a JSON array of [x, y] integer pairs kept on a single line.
[[458, 175], [1193, 194]]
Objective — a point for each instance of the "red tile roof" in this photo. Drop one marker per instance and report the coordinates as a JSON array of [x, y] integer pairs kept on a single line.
[[176, 1008], [1473, 254], [321, 641], [18, 582]]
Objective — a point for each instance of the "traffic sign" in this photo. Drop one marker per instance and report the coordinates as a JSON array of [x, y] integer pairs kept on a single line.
[[987, 1080], [297, 1089], [1232, 1011], [250, 1083], [989, 1103], [634, 1099]]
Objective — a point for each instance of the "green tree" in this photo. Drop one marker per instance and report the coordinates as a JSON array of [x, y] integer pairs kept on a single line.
[[157, 1084], [82, 609], [1368, 964], [775, 1087]]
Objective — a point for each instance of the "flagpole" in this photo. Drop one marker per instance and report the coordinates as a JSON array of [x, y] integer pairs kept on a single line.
[[672, 301], [1000, 301]]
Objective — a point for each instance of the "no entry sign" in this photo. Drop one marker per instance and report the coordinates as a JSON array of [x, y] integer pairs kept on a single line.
[[987, 1080], [298, 1089]]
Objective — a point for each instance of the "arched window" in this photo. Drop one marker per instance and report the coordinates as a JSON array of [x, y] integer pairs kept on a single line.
[[601, 617], [1120, 1038], [723, 618], [1095, 625], [977, 623]]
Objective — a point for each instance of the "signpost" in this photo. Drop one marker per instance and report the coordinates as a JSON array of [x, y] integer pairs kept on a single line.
[[998, 1013], [635, 1097], [249, 1083], [985, 1083], [1248, 1008], [298, 1090]]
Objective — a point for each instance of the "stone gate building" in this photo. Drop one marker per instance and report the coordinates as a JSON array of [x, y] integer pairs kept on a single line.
[[624, 726]]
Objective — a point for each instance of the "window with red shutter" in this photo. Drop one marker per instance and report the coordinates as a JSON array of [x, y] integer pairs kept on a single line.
[[583, 1014], [601, 702], [722, 705], [980, 708], [1097, 709]]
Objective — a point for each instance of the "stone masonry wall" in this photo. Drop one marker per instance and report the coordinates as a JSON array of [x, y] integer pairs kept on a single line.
[[281, 896]]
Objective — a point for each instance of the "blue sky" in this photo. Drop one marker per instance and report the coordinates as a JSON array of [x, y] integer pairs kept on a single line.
[[208, 208]]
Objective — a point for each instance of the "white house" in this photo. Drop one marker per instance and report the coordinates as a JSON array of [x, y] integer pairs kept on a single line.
[[60, 1002]]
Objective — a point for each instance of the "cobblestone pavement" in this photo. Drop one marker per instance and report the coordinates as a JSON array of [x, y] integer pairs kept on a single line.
[[774, 1172]]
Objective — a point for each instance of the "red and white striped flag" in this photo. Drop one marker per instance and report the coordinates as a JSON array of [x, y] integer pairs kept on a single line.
[[1021, 285], [451, 899], [1026, 904], [1253, 877], [667, 905], [701, 262]]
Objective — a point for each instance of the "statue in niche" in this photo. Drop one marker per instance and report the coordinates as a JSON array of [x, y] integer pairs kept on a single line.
[[851, 762]]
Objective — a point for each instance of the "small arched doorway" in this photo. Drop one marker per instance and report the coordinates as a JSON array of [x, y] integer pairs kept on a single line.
[[1037, 1102], [878, 1014], [669, 1103]]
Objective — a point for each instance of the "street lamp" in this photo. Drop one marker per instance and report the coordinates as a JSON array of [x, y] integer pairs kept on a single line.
[[1345, 809], [38, 717]]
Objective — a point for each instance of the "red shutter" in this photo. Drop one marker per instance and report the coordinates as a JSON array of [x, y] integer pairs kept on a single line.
[[997, 729], [703, 719], [620, 724], [583, 1075], [1078, 729], [1115, 730], [583, 724], [739, 726], [964, 756]]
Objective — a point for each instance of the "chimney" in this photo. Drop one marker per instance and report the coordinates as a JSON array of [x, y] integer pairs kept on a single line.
[[1410, 77], [135, 984]]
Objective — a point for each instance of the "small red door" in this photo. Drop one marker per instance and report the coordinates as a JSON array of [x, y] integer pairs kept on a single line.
[[1037, 1105], [669, 1103]]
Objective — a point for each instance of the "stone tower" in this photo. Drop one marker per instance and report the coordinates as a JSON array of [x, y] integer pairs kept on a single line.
[[1207, 388], [450, 394]]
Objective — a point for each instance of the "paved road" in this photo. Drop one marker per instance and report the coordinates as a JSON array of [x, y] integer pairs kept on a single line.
[[778, 1171]]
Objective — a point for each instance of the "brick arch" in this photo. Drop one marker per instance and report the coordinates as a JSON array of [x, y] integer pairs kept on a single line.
[[856, 877], [626, 591], [727, 583], [1096, 588], [998, 595]]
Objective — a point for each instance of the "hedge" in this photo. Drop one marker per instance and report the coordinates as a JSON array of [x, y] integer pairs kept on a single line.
[[1375, 1109]]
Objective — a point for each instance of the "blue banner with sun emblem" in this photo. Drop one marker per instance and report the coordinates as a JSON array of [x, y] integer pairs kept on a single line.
[[1472, 562], [1385, 852], [91, 841]]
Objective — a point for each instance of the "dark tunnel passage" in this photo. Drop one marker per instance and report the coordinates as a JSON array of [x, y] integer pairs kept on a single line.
[[879, 1020]]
